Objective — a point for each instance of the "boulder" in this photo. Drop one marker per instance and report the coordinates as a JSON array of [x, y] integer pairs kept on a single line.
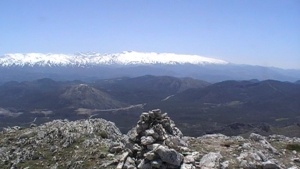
[[169, 156], [210, 161], [270, 165]]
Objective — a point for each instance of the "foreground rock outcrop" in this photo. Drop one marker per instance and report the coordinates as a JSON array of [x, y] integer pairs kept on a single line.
[[155, 142], [58, 144]]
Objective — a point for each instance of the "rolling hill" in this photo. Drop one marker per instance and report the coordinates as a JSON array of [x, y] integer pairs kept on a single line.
[[199, 107]]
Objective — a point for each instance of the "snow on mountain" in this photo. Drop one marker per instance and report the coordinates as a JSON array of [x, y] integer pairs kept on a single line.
[[83, 59]]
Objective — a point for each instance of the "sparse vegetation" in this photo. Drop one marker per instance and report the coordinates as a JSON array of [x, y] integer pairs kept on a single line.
[[103, 134], [292, 147]]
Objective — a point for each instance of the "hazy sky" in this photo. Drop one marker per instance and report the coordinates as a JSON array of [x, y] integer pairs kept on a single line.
[[259, 32]]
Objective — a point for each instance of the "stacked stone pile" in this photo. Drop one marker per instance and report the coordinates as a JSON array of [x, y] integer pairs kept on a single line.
[[155, 142]]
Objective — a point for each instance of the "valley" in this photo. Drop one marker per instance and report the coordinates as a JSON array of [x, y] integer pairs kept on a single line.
[[198, 107]]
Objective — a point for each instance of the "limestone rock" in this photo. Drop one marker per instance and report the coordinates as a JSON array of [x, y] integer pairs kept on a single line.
[[187, 166], [169, 156], [155, 142], [263, 141], [146, 140], [210, 161], [270, 165], [256, 137], [144, 165]]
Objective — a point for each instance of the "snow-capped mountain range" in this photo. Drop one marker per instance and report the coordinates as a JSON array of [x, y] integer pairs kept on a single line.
[[92, 59], [91, 66]]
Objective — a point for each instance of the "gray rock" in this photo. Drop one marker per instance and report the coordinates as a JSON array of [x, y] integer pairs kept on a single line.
[[149, 156], [175, 141], [156, 163], [116, 148], [224, 165], [270, 165], [169, 156], [263, 141], [189, 159], [296, 160], [210, 161], [293, 167], [132, 134], [256, 137], [144, 165], [122, 160], [41, 135], [153, 146], [268, 146], [187, 166], [261, 155], [136, 147], [26, 135], [157, 112], [147, 140], [129, 164], [145, 117]]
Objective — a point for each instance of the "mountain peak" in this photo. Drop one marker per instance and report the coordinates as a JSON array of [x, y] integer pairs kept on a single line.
[[87, 59]]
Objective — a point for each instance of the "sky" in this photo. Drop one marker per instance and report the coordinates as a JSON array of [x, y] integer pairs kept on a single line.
[[256, 32]]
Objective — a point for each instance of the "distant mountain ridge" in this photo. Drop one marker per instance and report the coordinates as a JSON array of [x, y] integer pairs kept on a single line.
[[269, 101], [93, 66], [93, 59]]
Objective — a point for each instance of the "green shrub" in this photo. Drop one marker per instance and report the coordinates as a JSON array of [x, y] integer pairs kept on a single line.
[[103, 134], [295, 147]]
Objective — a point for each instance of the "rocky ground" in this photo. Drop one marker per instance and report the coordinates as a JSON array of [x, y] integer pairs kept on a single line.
[[155, 142]]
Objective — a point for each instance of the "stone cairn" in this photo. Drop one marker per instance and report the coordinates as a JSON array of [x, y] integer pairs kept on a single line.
[[155, 142]]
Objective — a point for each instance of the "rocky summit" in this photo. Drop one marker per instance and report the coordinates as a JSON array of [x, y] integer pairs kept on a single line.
[[155, 142]]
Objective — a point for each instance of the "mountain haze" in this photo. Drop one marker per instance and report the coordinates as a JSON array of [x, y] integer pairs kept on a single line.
[[93, 66]]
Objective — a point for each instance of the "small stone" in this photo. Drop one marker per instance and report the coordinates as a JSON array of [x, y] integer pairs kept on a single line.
[[225, 165], [129, 164], [145, 117], [297, 160], [115, 148], [261, 155], [153, 146], [150, 132], [132, 134], [164, 115], [136, 147], [256, 137], [293, 167], [102, 155], [169, 156], [157, 111], [144, 165], [210, 160], [146, 140], [156, 163], [187, 166], [110, 155], [149, 156], [32, 125], [270, 165], [189, 159]]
